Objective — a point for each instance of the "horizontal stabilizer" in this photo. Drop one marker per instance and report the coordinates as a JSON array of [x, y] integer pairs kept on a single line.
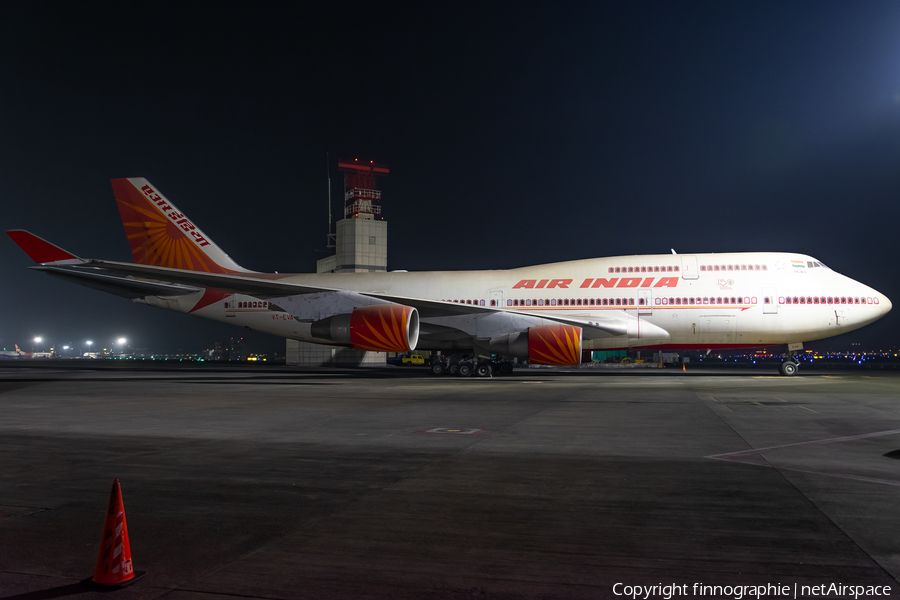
[[39, 249]]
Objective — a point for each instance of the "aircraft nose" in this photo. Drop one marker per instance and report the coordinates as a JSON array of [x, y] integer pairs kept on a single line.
[[885, 305]]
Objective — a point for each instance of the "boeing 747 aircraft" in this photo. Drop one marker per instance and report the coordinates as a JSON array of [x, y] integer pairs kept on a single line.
[[548, 314]]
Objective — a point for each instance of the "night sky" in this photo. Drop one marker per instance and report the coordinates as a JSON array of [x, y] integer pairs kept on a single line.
[[516, 134]]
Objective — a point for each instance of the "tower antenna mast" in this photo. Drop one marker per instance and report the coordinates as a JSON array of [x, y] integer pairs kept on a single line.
[[331, 243]]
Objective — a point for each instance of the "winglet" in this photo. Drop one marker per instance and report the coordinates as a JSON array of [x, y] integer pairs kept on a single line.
[[39, 249]]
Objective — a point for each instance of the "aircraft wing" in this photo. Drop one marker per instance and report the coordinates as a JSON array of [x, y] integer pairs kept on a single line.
[[268, 286], [133, 280], [118, 285]]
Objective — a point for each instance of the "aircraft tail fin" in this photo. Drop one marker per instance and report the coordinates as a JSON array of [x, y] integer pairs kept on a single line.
[[160, 235], [40, 250]]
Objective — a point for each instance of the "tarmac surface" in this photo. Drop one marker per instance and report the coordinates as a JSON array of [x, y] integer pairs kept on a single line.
[[390, 483]]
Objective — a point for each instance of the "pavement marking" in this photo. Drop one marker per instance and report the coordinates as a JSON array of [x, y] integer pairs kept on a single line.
[[459, 431], [735, 456], [848, 438]]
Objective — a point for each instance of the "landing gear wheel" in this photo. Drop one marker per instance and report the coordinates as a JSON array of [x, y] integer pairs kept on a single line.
[[788, 368], [506, 368], [465, 370], [453, 369], [484, 370], [438, 368]]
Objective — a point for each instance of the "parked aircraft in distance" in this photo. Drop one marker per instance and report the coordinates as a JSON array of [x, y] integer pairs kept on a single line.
[[548, 314], [5, 354]]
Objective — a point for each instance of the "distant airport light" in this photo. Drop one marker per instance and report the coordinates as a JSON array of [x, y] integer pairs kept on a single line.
[[65, 347], [121, 340], [38, 340]]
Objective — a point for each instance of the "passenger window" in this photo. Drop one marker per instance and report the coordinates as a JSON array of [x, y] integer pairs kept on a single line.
[[631, 302], [618, 302], [766, 300]]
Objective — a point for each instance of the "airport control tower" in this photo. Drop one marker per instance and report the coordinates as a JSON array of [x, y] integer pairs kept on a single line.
[[360, 246], [361, 240]]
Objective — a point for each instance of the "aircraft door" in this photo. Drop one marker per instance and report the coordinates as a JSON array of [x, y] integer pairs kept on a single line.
[[645, 302], [770, 301], [496, 298], [717, 330], [689, 269], [230, 301]]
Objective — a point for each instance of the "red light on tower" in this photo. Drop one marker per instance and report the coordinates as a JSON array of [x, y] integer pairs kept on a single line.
[[361, 193]]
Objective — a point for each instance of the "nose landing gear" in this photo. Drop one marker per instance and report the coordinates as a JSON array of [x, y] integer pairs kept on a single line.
[[788, 368]]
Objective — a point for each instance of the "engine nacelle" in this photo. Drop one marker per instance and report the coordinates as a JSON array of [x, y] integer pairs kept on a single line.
[[379, 328], [558, 345]]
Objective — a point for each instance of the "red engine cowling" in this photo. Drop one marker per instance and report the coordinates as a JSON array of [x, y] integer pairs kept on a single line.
[[558, 345], [384, 328]]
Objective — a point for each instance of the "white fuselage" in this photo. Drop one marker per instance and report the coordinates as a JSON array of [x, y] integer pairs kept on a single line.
[[699, 301]]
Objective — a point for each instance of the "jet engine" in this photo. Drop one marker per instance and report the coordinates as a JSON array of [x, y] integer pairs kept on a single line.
[[379, 328], [558, 345]]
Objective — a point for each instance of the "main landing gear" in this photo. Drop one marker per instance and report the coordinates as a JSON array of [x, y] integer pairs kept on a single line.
[[464, 365]]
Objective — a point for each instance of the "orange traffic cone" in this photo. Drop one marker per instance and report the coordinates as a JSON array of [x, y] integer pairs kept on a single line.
[[684, 367], [114, 568]]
